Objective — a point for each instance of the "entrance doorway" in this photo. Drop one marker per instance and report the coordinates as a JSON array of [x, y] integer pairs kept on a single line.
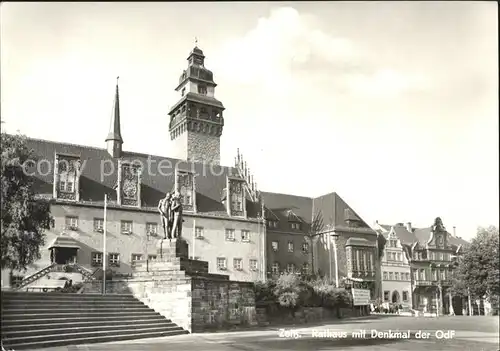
[[395, 297], [63, 255]]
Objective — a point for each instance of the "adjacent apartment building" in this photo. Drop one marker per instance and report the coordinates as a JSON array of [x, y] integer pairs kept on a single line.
[[427, 254]]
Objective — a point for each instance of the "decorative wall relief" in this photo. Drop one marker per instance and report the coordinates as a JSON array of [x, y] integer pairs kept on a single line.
[[130, 184]]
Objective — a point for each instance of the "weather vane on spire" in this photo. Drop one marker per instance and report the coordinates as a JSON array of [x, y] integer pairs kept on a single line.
[[118, 77], [195, 41]]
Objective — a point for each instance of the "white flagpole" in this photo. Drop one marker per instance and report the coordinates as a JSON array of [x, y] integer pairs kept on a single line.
[[104, 246], [194, 236]]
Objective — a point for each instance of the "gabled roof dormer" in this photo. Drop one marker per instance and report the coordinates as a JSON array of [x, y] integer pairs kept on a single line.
[[128, 188], [235, 197], [294, 221], [67, 172], [185, 186]]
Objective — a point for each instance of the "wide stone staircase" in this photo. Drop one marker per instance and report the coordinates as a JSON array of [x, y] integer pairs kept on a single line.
[[37, 320]]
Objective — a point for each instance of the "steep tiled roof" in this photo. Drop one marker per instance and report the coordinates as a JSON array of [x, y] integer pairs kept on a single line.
[[331, 210], [279, 206], [404, 235], [97, 164], [421, 235]]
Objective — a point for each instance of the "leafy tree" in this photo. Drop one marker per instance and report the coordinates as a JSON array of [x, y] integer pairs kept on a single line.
[[24, 218], [478, 269]]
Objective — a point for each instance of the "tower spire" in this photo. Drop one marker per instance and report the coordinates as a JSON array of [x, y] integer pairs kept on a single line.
[[114, 140]]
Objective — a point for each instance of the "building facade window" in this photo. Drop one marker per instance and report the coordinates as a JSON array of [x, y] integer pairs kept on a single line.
[[126, 227], [96, 258], [198, 232], [202, 89], [135, 258], [295, 225], [71, 222], [434, 274], [275, 246], [442, 274], [305, 268], [405, 296], [151, 229], [99, 225], [422, 274], [230, 234], [221, 263], [114, 259], [238, 264], [252, 264], [386, 276], [272, 224], [305, 248], [396, 275], [290, 246], [245, 235], [290, 268], [391, 276], [152, 257], [275, 268], [386, 295]]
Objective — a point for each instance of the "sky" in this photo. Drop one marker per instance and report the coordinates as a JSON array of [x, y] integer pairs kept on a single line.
[[393, 105]]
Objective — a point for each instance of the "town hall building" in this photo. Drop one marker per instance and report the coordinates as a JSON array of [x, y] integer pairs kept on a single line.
[[239, 230]]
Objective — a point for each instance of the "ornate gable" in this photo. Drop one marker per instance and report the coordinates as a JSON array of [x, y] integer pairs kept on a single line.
[[236, 204], [67, 171], [128, 191], [185, 185]]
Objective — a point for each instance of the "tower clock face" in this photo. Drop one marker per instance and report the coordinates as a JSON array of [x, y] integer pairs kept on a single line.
[[129, 188]]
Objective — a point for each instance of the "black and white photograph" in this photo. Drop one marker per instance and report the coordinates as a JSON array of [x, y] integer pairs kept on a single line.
[[256, 176]]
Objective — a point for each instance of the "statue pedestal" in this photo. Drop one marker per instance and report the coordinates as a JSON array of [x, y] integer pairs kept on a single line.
[[170, 248]]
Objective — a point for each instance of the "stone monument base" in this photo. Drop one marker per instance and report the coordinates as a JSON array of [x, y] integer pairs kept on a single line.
[[183, 291], [170, 248]]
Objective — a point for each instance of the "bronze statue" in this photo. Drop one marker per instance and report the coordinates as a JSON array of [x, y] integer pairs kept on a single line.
[[165, 209], [176, 209]]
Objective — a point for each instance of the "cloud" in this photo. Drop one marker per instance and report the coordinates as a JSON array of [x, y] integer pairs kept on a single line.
[[286, 54]]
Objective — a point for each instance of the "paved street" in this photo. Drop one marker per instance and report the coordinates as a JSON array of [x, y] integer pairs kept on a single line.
[[471, 334]]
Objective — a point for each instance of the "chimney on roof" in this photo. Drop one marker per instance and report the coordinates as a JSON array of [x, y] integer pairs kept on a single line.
[[454, 231], [408, 227], [399, 224]]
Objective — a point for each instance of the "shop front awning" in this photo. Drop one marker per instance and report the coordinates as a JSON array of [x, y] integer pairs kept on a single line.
[[64, 242]]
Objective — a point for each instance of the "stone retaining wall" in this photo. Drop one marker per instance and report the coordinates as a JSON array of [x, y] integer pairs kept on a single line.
[[183, 291]]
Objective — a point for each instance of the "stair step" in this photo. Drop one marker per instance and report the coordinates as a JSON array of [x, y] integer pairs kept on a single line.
[[65, 296], [88, 329], [56, 314], [80, 324], [84, 335], [78, 319], [92, 340], [6, 302], [92, 309], [54, 305]]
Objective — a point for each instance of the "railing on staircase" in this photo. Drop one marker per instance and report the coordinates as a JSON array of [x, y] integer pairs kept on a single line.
[[87, 274], [35, 276]]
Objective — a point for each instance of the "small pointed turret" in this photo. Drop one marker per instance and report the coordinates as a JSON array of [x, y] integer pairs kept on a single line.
[[114, 140]]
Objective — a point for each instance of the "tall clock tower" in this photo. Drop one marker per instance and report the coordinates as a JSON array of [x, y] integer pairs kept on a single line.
[[196, 120]]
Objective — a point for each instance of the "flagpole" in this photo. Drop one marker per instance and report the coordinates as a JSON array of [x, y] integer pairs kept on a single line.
[[104, 246], [194, 236]]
